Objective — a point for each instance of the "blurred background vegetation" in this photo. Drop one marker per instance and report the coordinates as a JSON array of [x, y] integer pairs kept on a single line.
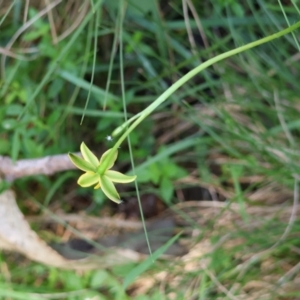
[[230, 134]]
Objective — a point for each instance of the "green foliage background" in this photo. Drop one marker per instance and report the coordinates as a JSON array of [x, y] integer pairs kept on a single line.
[[235, 121]]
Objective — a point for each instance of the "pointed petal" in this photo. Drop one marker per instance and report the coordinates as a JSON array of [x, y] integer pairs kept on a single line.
[[112, 159], [97, 186], [88, 179], [81, 163], [109, 189], [88, 155], [115, 176]]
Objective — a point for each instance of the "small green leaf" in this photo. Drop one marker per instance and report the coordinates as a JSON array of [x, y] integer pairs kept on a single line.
[[109, 189], [4, 147], [99, 278], [88, 179], [144, 176], [16, 146], [81, 164], [88, 155], [155, 172], [34, 34], [166, 190], [111, 161], [171, 170], [115, 176]]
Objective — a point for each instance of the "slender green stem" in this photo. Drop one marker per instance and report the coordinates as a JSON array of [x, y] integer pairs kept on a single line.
[[164, 96], [122, 12], [121, 128], [94, 62], [7, 12], [112, 58]]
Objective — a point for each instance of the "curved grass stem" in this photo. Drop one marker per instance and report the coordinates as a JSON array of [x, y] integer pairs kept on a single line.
[[179, 83]]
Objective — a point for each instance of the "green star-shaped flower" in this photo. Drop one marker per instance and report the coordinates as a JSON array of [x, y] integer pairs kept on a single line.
[[98, 172]]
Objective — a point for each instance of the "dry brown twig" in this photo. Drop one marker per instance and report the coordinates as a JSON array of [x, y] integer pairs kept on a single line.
[[48, 165], [76, 23], [16, 235], [15, 232]]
